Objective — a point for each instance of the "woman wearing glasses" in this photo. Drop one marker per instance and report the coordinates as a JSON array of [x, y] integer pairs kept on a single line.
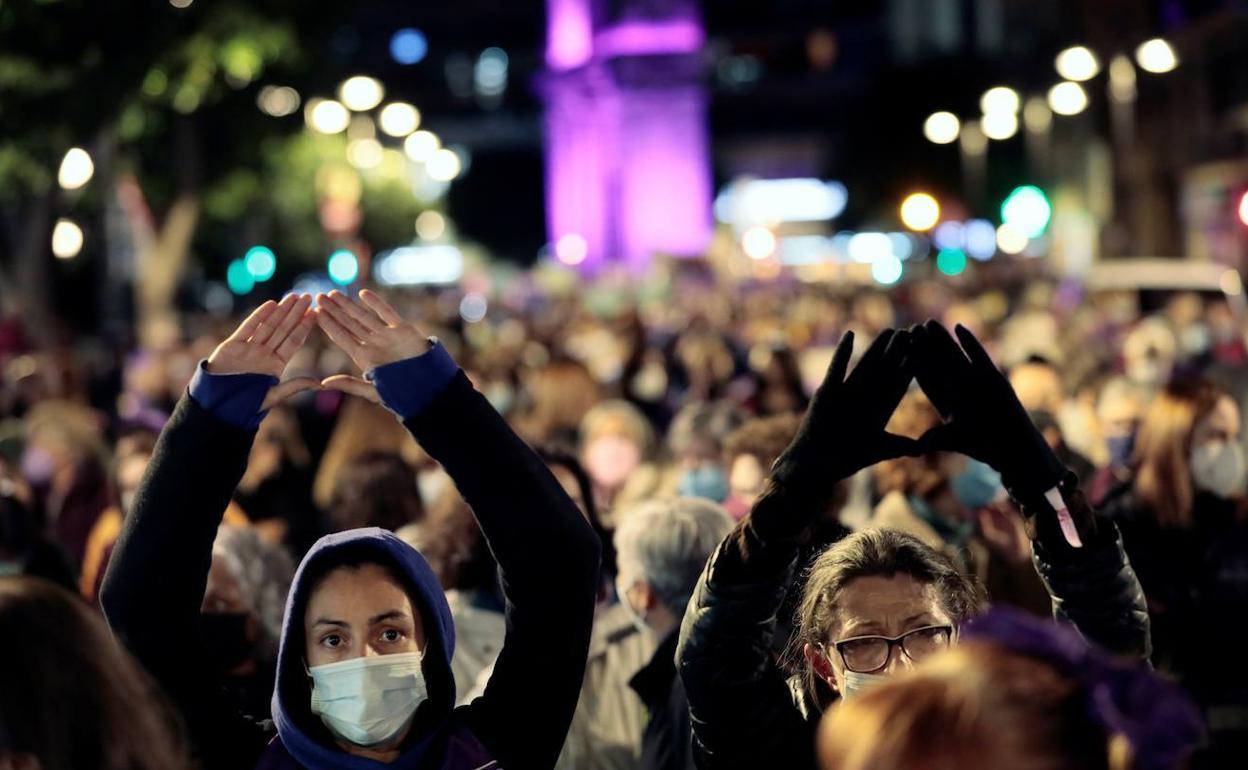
[[878, 600]]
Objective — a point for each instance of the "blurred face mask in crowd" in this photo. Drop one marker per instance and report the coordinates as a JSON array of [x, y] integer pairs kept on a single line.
[[611, 459], [369, 701], [1121, 449], [976, 485], [1218, 468], [706, 481]]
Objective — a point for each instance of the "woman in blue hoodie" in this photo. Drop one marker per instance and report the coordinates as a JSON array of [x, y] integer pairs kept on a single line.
[[364, 677]]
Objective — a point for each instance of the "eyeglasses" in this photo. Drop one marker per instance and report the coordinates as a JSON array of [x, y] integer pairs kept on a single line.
[[869, 654]]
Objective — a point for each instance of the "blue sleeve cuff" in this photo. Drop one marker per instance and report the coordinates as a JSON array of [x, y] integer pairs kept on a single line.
[[406, 387], [233, 398]]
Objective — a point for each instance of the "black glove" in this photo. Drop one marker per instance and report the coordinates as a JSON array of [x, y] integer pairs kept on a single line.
[[985, 419], [843, 430]]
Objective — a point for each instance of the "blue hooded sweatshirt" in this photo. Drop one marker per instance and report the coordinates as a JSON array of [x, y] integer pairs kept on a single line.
[[438, 740]]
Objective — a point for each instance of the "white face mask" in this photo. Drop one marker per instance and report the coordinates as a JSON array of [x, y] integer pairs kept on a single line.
[[621, 590], [1218, 467], [368, 701], [855, 682]]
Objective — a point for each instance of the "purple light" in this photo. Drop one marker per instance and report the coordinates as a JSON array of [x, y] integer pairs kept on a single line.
[[569, 34], [643, 38], [627, 154]]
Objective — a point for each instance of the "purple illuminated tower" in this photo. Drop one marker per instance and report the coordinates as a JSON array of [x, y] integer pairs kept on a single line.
[[627, 156]]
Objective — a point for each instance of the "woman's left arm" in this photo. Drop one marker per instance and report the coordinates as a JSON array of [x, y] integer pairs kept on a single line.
[[545, 548], [1078, 554]]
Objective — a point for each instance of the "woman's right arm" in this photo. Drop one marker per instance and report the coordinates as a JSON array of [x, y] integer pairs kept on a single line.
[[154, 586], [741, 707]]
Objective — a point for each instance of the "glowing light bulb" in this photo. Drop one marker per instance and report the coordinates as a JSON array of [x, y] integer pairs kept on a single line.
[[327, 116], [399, 119], [1156, 56], [1068, 98], [67, 239]]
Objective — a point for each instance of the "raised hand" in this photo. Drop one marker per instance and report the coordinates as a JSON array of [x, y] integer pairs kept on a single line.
[[264, 344], [373, 335], [985, 419], [843, 430]]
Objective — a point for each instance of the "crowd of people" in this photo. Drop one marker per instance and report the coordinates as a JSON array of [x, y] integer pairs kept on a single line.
[[661, 525]]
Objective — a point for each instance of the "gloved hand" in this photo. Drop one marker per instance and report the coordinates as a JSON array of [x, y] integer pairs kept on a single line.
[[985, 419], [843, 430], [987, 422]]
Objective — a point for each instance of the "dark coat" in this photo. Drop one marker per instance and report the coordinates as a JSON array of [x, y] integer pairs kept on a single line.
[[665, 742], [155, 585], [745, 713]]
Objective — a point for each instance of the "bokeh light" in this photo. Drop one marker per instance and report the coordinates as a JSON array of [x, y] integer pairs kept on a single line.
[[920, 211], [399, 119], [1027, 208], [1037, 116], [326, 116], [951, 261], [361, 93], [866, 248], [67, 239], [758, 242], [1243, 208], [239, 278], [409, 46], [1068, 98], [472, 307], [261, 263], [278, 101], [421, 146], [1077, 63], [999, 125], [1011, 240], [949, 235], [887, 269], [444, 165], [1156, 56], [571, 249], [1000, 99], [430, 225], [364, 153], [76, 169], [343, 267], [942, 128], [980, 239]]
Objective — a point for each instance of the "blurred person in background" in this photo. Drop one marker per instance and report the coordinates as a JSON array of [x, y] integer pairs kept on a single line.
[[1021, 693], [557, 398], [663, 546], [275, 489], [750, 451], [362, 427], [1182, 516], [615, 442], [241, 617], [376, 489], [1120, 409], [449, 539], [1149, 354], [879, 600], [24, 548], [72, 698], [778, 384], [363, 671], [695, 442]]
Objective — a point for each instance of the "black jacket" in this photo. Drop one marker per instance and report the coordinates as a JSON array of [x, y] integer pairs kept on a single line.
[[745, 713], [665, 742], [547, 553]]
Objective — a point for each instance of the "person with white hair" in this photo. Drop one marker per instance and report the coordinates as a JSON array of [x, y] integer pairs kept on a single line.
[[662, 546]]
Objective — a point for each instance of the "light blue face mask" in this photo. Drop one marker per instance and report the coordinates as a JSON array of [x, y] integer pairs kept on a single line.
[[977, 485], [368, 701], [855, 682], [707, 481]]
